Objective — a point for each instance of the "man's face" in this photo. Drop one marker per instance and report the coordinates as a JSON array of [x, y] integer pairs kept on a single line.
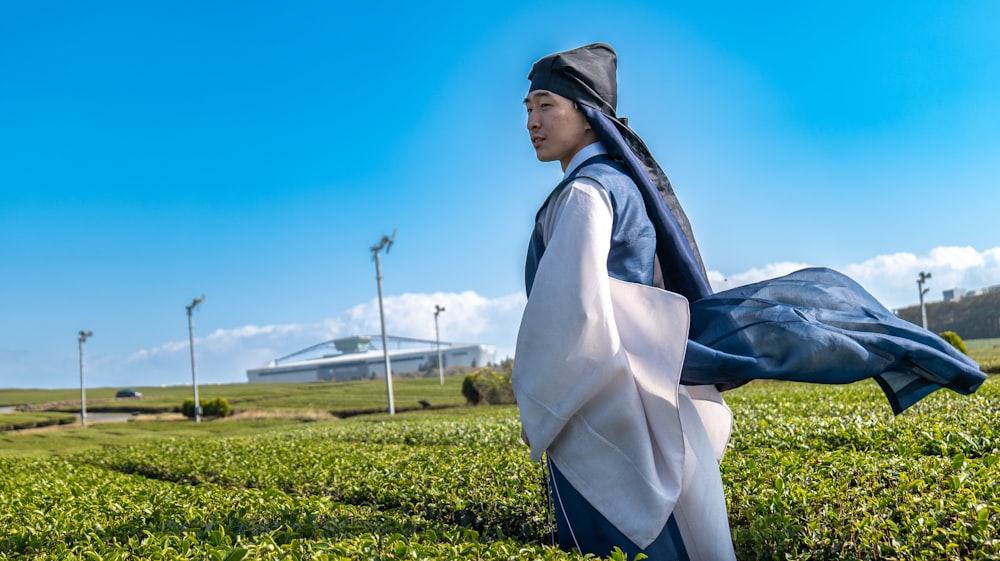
[[558, 129]]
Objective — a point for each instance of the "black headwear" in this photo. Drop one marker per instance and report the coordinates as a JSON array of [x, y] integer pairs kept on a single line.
[[588, 76]]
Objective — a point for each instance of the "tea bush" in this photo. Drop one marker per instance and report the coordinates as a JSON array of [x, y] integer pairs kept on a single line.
[[812, 472]]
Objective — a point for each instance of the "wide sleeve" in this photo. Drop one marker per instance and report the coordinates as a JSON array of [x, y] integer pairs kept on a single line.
[[597, 380], [565, 347]]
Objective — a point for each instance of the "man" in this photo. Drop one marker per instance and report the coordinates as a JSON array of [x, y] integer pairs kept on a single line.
[[633, 462], [616, 374]]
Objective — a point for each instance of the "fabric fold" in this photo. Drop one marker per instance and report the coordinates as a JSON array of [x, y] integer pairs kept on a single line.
[[645, 430], [817, 325]]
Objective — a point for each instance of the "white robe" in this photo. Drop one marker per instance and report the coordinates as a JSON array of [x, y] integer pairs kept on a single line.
[[597, 379]]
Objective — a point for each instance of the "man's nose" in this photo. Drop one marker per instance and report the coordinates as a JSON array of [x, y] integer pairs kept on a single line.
[[533, 121]]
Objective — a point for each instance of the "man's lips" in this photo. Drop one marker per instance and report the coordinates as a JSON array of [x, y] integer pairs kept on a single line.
[[536, 140]]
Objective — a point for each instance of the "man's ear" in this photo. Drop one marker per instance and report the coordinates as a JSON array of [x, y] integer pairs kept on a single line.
[[586, 123]]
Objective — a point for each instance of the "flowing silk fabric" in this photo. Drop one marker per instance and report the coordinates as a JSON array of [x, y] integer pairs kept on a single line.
[[680, 262], [818, 325], [815, 325]]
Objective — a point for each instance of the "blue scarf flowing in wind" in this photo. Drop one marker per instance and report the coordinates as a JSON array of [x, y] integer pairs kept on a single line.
[[814, 325]]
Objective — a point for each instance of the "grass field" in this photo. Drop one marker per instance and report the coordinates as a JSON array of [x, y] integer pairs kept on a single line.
[[334, 398], [986, 352], [812, 472]]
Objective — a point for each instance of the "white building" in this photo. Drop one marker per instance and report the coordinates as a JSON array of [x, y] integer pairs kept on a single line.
[[355, 361], [953, 294]]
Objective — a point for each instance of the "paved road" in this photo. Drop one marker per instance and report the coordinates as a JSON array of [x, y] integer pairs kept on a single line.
[[107, 417]]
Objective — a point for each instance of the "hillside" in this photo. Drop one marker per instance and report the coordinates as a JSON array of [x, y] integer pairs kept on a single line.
[[972, 317]]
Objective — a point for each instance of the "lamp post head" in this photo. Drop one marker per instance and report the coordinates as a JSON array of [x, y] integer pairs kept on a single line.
[[194, 304], [385, 242], [438, 309], [84, 335]]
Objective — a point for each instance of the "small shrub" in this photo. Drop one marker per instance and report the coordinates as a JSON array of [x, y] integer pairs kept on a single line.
[[955, 341], [488, 387], [218, 407]]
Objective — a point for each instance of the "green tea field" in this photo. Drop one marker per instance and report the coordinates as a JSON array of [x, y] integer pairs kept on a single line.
[[812, 472]]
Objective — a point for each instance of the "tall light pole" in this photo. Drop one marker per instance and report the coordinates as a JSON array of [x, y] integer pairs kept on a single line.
[[194, 375], [920, 288], [83, 387], [437, 337], [385, 242]]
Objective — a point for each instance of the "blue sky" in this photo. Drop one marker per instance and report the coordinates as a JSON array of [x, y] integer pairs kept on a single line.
[[253, 152]]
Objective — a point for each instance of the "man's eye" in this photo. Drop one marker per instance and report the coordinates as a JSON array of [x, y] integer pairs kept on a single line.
[[545, 105]]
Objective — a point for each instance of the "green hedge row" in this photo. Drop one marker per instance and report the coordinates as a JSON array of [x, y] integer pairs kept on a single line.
[[812, 472], [20, 421]]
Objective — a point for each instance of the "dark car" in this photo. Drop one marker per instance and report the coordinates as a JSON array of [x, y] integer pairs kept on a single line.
[[128, 393]]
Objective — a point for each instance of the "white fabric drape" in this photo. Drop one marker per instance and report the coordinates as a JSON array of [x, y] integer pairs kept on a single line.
[[597, 379]]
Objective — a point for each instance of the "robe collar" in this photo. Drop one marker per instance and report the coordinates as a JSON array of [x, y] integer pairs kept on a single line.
[[585, 153]]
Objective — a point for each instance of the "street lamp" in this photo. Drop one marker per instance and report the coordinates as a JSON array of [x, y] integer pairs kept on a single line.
[[920, 287], [194, 375], [385, 242], [437, 337], [83, 387]]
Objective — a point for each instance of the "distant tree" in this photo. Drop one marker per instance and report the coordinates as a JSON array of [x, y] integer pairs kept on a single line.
[[507, 365]]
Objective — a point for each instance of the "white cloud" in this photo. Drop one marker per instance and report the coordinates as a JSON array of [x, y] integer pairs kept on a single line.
[[221, 341], [892, 278], [225, 354], [467, 316], [720, 281]]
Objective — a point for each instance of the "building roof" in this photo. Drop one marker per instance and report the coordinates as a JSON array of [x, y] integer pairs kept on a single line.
[[356, 348]]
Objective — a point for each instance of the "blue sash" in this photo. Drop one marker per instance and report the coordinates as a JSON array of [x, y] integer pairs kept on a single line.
[[814, 325], [817, 325]]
